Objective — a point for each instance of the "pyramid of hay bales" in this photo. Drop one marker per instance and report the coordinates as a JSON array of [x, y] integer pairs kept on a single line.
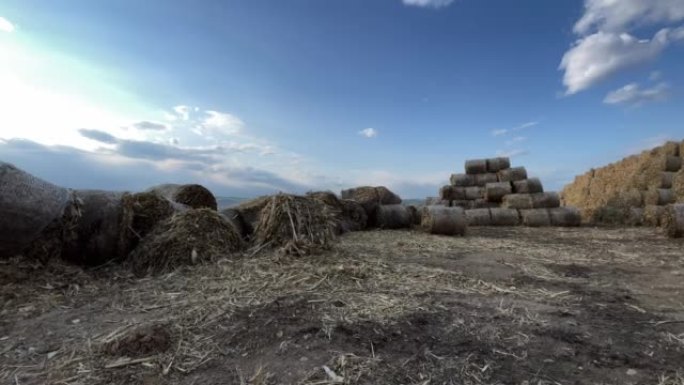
[[633, 191], [495, 194]]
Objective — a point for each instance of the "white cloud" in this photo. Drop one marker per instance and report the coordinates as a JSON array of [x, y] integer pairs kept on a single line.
[[6, 25], [182, 112], [618, 16], [506, 131], [369, 132], [633, 94], [428, 3], [513, 153], [517, 139], [221, 123], [655, 76]]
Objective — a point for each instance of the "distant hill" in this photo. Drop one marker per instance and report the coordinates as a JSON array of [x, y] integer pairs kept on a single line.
[[225, 202]]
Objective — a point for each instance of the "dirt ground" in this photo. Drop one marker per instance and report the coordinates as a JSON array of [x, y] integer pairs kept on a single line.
[[500, 306]]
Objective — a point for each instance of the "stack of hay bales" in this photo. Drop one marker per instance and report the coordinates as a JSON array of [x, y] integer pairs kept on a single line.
[[634, 191], [493, 193], [383, 207]]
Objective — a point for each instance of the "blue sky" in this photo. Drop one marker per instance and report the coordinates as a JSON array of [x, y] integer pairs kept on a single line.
[[255, 96]]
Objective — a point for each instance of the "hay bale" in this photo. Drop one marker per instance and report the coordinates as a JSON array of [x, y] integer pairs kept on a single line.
[[233, 216], [494, 192], [444, 220], [517, 201], [628, 198], [187, 238], [250, 211], [482, 180], [462, 180], [27, 206], [636, 216], [393, 217], [483, 204], [653, 215], [353, 217], [611, 215], [464, 204], [528, 186], [671, 148], [512, 174], [565, 217], [387, 197], [535, 218], [328, 198], [296, 225], [436, 201], [678, 186], [472, 193], [478, 217], [547, 200], [476, 166], [659, 197], [505, 217], [370, 198], [452, 193], [497, 164], [667, 179], [673, 221], [191, 195], [415, 214], [673, 163]]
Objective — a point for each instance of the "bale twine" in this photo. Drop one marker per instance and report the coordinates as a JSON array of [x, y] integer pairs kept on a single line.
[[535, 218], [233, 216], [393, 217], [472, 193], [452, 193], [354, 217], [444, 220], [250, 211], [668, 179], [517, 201], [512, 174], [528, 186], [191, 195], [497, 164], [27, 206], [505, 217], [464, 204], [547, 200], [415, 214], [436, 201], [653, 215], [187, 238], [462, 180], [673, 163], [565, 217], [483, 204], [659, 197], [478, 217], [673, 221], [483, 179], [476, 166], [494, 192]]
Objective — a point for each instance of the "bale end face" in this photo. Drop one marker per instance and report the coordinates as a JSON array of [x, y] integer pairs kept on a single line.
[[494, 192], [476, 166]]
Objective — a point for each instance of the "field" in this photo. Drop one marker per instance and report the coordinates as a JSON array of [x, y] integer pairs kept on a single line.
[[500, 306]]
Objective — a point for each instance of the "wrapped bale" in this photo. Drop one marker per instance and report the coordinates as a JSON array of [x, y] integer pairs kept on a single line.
[[233, 216], [444, 220], [452, 193], [673, 221], [482, 204], [517, 201], [673, 163], [472, 193], [565, 217], [547, 200], [436, 201], [464, 204], [354, 217], [476, 166], [415, 214], [659, 197], [667, 179], [462, 180], [497, 164], [505, 217], [653, 215], [535, 218], [528, 186], [393, 217], [512, 174], [191, 195], [494, 192], [482, 180], [478, 217]]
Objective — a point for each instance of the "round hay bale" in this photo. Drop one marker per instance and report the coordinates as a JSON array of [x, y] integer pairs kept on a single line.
[[673, 221], [547, 200], [187, 238], [472, 193], [505, 217], [393, 217], [653, 215], [464, 204], [659, 197], [368, 197], [482, 180], [415, 214], [296, 225], [478, 217], [610, 215], [497, 164], [233, 216], [512, 174], [535, 218], [354, 217], [191, 195], [667, 179], [636, 216], [435, 201], [387, 197], [517, 201], [494, 192], [326, 197], [250, 211], [565, 217], [476, 166], [462, 180], [483, 204], [444, 220], [671, 148], [673, 163], [27, 206], [452, 193], [678, 186], [629, 198], [528, 186]]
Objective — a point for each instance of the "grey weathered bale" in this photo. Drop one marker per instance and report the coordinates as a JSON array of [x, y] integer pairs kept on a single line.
[[479, 217], [653, 215], [462, 180], [498, 164], [452, 193], [659, 197], [476, 166], [353, 216], [565, 217], [547, 200], [673, 221], [191, 195], [483, 204], [673, 163], [494, 192], [444, 220], [416, 215], [518, 201], [635, 216], [667, 179], [528, 186], [473, 193], [483, 179], [535, 218], [393, 217], [233, 216], [464, 204], [512, 174], [505, 217]]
